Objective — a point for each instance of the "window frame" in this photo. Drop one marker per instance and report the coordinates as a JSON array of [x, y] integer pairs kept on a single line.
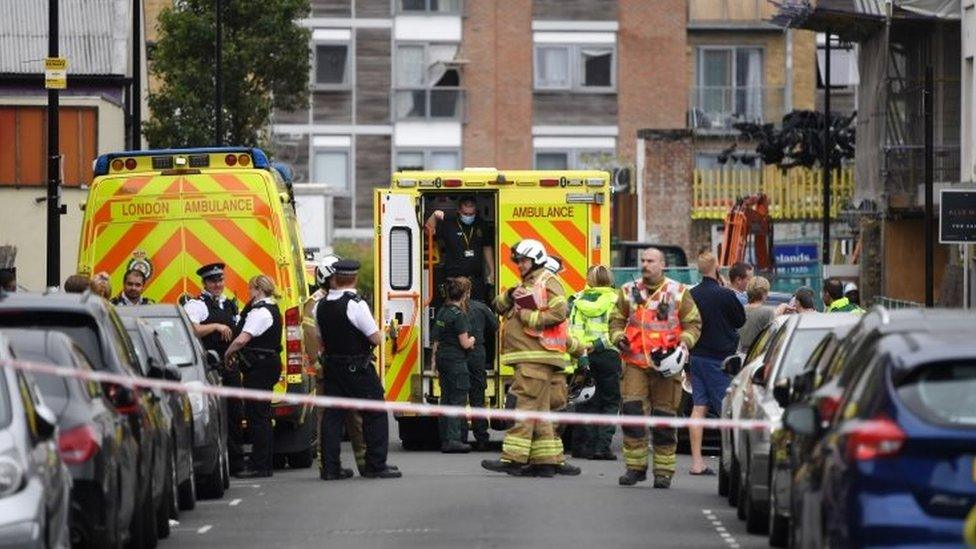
[[347, 70], [572, 156], [398, 9], [733, 49], [339, 191], [426, 152], [409, 250], [427, 88], [576, 69]]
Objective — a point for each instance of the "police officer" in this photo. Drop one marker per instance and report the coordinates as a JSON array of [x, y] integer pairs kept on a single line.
[[214, 318], [133, 284], [465, 240], [349, 334], [258, 346]]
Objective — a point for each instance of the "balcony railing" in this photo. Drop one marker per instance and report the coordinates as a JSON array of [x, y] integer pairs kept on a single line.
[[904, 172], [794, 194], [730, 11], [441, 103], [718, 108]]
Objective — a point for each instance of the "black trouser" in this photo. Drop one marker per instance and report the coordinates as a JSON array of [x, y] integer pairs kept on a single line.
[[263, 375], [235, 414], [476, 392], [605, 369], [455, 382], [353, 377]]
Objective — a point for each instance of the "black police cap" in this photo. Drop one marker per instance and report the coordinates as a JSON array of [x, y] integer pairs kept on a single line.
[[346, 267], [212, 270]]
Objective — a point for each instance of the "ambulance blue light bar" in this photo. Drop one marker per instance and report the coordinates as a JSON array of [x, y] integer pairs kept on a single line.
[[258, 157]]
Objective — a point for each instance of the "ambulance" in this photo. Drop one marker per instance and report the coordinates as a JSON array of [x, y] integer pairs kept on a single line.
[[168, 212], [568, 211]]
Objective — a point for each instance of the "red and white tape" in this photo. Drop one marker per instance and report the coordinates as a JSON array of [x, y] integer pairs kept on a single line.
[[410, 408]]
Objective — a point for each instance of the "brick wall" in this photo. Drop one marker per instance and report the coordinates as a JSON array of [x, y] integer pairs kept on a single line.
[[667, 173], [497, 42], [652, 80]]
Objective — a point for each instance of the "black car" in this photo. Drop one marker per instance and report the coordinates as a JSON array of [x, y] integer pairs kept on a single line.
[[182, 348], [95, 441], [93, 324], [181, 490]]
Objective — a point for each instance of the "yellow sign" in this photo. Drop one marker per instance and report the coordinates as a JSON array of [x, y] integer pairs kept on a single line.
[[55, 73]]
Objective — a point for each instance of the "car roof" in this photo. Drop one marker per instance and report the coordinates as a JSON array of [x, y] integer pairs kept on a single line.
[[60, 301], [815, 321], [913, 349], [160, 309], [900, 320]]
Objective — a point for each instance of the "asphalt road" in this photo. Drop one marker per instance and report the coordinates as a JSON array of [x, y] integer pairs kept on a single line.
[[449, 501]]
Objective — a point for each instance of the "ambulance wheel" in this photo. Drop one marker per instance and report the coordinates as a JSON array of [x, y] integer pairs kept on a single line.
[[302, 459]]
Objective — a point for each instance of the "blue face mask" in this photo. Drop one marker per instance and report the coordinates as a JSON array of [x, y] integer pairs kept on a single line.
[[467, 219]]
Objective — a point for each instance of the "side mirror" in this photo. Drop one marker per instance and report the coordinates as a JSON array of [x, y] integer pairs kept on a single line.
[[123, 398], [781, 392], [213, 360], [172, 373], [156, 370], [801, 419], [47, 422], [732, 365]]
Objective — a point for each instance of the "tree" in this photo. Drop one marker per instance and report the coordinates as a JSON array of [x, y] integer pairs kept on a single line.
[[265, 59], [798, 141]]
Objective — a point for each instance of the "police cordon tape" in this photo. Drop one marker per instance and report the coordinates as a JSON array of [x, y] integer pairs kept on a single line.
[[322, 401]]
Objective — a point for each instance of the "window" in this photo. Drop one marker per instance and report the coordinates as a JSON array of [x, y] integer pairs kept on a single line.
[[729, 86], [331, 167], [573, 159], [843, 63], [400, 267], [331, 65], [579, 68], [428, 160], [23, 155], [552, 161], [433, 6], [427, 82]]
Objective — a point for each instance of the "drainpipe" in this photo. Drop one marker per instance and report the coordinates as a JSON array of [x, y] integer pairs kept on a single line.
[[788, 93]]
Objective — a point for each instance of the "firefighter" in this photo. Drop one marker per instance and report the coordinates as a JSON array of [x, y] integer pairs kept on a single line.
[[349, 333], [535, 344], [324, 270], [654, 325], [257, 347], [559, 388], [133, 284], [214, 318]]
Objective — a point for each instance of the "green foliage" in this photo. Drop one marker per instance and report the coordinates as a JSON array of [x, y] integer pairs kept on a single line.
[[361, 251], [265, 59]]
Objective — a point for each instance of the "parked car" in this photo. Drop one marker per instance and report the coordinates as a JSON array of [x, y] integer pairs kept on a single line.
[[897, 464], [765, 396], [198, 368], [93, 324], [728, 473], [96, 442], [35, 485], [181, 488], [831, 378]]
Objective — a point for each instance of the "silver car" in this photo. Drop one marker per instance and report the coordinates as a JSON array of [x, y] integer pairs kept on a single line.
[[35, 485], [765, 394]]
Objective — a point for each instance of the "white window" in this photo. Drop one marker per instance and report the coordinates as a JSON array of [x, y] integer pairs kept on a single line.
[[843, 63], [331, 167], [431, 6], [428, 82], [332, 65], [432, 159], [573, 159], [579, 68], [400, 261], [729, 86]]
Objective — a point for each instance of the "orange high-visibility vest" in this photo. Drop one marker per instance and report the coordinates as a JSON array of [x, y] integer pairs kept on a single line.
[[553, 338], [646, 333]]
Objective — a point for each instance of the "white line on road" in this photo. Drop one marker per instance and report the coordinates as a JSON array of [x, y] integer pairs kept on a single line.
[[235, 502], [204, 529], [720, 529]]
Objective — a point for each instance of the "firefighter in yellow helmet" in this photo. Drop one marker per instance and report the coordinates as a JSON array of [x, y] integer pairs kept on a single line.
[[654, 325], [534, 343]]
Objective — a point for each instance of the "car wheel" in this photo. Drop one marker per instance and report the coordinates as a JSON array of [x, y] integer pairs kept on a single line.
[[756, 518], [733, 482], [212, 485], [150, 535], [301, 460], [779, 526], [187, 495], [279, 461], [723, 481]]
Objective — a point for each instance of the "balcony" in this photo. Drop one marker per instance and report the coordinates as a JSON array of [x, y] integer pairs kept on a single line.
[[439, 103], [731, 14], [904, 173], [715, 109], [793, 195]]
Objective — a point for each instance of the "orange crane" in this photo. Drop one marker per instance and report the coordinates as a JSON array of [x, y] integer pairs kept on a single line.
[[748, 217]]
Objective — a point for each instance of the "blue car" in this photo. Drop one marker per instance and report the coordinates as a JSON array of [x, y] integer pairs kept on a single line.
[[898, 463]]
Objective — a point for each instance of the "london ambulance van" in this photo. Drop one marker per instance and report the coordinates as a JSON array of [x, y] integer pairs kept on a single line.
[[168, 212], [568, 211]]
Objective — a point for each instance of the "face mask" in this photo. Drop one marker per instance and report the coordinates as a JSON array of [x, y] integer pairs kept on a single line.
[[467, 219]]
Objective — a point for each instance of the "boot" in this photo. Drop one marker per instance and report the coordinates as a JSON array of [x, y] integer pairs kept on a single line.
[[567, 469], [605, 455], [341, 475], [503, 466], [388, 472], [632, 477], [542, 471], [662, 482], [455, 447]]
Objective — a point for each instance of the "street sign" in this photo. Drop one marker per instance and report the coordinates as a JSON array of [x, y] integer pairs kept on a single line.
[[957, 216], [797, 259], [55, 73]]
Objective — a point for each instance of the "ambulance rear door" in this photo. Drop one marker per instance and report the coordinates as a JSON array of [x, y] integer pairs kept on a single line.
[[398, 285]]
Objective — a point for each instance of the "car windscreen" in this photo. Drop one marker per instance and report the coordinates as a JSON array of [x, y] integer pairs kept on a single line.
[[176, 342], [943, 393], [798, 351], [79, 328], [53, 388]]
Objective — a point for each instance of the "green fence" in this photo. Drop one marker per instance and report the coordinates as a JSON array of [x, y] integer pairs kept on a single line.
[[785, 283]]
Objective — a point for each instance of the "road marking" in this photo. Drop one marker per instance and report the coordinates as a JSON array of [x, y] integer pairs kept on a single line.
[[235, 502], [205, 529], [720, 529]]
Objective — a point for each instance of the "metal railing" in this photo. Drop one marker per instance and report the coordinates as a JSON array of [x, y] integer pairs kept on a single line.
[[718, 108], [904, 171], [442, 103], [730, 10], [892, 303], [793, 194]]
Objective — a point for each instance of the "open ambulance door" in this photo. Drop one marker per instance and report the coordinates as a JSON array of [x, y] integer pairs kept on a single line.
[[398, 299]]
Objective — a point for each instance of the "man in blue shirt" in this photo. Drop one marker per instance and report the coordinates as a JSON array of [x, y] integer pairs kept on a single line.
[[739, 277], [722, 315]]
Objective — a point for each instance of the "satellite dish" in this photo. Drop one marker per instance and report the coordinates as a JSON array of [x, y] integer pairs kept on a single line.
[[621, 180]]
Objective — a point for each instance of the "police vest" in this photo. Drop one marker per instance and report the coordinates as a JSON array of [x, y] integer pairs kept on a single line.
[[648, 330], [553, 338], [218, 315], [271, 338], [339, 335], [590, 318]]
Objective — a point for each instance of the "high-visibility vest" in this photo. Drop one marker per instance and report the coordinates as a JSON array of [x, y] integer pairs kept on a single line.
[[589, 320], [646, 333], [553, 338]]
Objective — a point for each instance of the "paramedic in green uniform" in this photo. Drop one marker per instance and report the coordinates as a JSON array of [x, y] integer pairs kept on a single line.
[[483, 322], [451, 345]]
